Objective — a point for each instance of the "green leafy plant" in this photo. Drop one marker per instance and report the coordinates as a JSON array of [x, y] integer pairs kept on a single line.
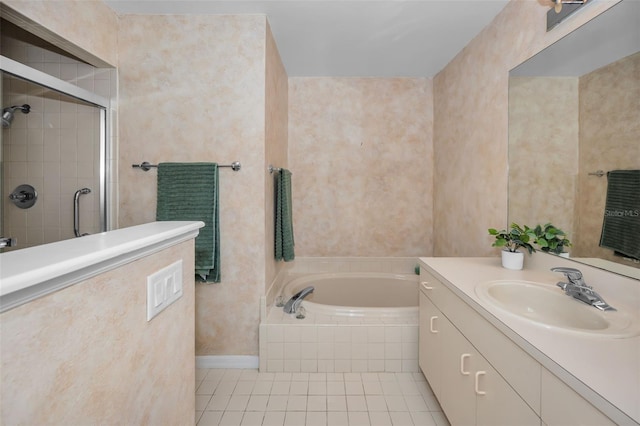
[[514, 238], [551, 239]]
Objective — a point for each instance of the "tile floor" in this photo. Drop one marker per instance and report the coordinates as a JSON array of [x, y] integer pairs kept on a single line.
[[248, 398]]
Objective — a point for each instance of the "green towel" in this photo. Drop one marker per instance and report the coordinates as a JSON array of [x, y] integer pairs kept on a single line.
[[621, 224], [284, 217], [189, 191]]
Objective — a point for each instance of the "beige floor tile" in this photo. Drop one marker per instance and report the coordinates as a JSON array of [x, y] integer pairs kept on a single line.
[[337, 418], [252, 418], [231, 418], [210, 418], [295, 418], [277, 403], [273, 418], [359, 418], [380, 418], [257, 403]]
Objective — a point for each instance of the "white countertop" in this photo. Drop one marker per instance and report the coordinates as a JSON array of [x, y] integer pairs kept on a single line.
[[50, 267], [609, 367]]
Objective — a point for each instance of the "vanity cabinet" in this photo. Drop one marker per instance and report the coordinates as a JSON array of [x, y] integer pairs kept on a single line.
[[561, 405], [470, 390]]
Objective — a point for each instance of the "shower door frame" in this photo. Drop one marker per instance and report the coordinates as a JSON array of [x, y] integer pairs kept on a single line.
[[33, 75]]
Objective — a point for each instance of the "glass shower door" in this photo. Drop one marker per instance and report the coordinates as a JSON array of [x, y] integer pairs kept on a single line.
[[55, 146]]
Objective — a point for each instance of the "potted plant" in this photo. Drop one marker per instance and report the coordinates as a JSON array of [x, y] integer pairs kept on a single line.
[[510, 241], [551, 239]]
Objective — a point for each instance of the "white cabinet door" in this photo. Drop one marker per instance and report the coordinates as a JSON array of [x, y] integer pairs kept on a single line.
[[497, 404], [429, 346], [473, 393], [460, 360]]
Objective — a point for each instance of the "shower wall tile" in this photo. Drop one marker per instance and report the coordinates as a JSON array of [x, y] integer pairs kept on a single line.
[[471, 125], [192, 88], [361, 153]]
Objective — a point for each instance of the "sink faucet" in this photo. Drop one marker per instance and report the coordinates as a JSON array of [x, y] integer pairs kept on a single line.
[[578, 289], [292, 305]]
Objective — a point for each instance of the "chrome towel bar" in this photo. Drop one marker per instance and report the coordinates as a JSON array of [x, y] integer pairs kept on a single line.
[[146, 166]]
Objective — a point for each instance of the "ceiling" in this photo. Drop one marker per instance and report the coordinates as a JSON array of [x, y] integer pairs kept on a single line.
[[346, 38]]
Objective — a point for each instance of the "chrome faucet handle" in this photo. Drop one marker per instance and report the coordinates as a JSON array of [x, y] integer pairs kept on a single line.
[[573, 275]]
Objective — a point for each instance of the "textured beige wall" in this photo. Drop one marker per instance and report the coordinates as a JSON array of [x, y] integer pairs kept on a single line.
[[609, 140], [87, 355], [470, 130], [87, 28], [192, 88], [543, 151], [361, 153], [276, 134]]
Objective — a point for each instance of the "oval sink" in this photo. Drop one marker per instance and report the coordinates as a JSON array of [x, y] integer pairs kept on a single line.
[[548, 305]]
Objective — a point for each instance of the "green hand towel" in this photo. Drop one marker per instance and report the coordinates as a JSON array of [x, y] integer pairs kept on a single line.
[[621, 224], [189, 191], [284, 217]]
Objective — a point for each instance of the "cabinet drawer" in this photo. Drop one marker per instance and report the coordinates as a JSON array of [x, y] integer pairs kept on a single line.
[[431, 286]]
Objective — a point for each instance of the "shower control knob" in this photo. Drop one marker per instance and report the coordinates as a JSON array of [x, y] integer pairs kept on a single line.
[[24, 196]]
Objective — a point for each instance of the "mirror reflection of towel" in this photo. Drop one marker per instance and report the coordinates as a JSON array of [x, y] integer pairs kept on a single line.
[[621, 224]]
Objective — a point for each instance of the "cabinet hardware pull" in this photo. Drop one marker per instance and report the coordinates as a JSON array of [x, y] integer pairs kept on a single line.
[[462, 358], [431, 320], [477, 388], [424, 284]]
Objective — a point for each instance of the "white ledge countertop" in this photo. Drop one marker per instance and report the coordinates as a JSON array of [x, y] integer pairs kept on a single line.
[[32, 272], [604, 370]]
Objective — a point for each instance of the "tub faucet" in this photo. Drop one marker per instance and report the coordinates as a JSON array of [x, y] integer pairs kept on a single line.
[[578, 289], [292, 305]]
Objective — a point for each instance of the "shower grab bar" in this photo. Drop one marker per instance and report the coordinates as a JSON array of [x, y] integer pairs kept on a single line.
[[76, 211], [146, 166]]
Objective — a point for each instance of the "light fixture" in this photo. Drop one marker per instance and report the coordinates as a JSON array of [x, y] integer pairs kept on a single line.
[[557, 4]]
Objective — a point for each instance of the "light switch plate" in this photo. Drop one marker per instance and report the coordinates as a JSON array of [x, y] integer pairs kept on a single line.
[[163, 288]]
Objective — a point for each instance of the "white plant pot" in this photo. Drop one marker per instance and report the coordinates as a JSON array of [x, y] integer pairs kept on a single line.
[[512, 260]]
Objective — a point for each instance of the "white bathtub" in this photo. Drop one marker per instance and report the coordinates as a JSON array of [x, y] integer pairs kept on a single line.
[[358, 294], [355, 321]]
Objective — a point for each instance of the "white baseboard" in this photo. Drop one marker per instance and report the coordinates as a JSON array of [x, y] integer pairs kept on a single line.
[[227, 361]]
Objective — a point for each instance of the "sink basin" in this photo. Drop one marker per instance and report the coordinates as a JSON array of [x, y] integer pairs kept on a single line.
[[549, 306]]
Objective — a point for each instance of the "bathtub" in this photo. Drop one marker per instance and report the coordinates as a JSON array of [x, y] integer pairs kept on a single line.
[[354, 321], [359, 294]]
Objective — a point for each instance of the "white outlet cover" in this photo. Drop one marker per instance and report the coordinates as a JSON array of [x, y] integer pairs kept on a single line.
[[163, 288]]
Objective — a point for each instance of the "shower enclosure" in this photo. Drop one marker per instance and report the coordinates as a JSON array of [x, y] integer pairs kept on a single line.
[[52, 158]]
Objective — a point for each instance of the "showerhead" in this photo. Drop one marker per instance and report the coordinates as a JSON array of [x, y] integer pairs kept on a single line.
[[7, 114]]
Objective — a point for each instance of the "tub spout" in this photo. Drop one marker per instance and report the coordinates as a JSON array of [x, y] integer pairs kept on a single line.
[[292, 305]]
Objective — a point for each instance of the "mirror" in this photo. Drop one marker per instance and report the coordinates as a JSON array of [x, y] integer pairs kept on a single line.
[[574, 115]]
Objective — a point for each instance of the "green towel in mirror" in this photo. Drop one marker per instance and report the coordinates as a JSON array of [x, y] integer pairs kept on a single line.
[[621, 224]]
